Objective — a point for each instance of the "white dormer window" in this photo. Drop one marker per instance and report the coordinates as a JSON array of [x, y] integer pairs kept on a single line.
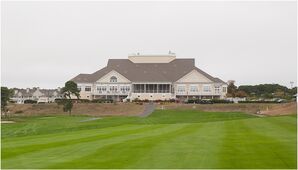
[[113, 79]]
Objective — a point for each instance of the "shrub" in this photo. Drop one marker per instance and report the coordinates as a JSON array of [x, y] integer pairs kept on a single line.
[[30, 101], [60, 101], [221, 101], [102, 101], [11, 101], [136, 100], [257, 101], [82, 100], [199, 101]]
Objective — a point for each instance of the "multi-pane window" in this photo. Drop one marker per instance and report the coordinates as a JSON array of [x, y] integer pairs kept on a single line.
[[79, 88], [113, 79], [224, 89], [193, 89], [87, 88], [124, 89], [216, 89], [206, 88], [113, 88], [101, 89], [181, 89]]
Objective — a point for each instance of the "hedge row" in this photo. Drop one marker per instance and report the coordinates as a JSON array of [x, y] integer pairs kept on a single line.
[[200, 101], [156, 101], [86, 100], [249, 101], [30, 101]]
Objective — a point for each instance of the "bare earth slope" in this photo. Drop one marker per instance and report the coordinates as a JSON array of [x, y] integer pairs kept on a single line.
[[94, 109], [130, 109], [283, 109], [252, 108]]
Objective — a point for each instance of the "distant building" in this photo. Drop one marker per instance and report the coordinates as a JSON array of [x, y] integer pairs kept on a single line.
[[152, 77], [36, 94]]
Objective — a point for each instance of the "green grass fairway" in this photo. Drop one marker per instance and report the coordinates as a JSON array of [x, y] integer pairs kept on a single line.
[[165, 139]]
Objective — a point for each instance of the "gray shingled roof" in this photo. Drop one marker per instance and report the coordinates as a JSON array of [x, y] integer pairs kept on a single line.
[[146, 72]]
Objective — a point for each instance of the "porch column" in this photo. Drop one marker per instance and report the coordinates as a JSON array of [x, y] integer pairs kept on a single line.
[[145, 88]]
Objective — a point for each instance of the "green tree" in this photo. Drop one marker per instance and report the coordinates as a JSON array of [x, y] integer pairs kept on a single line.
[[240, 93], [5, 96], [70, 89], [232, 89]]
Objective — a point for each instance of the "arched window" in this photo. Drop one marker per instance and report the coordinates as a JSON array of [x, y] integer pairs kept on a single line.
[[113, 79]]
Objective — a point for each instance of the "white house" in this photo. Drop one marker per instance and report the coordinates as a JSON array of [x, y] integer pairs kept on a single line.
[[36, 94], [152, 77]]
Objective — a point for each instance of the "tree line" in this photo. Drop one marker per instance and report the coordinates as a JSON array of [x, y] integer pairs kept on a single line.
[[261, 91]]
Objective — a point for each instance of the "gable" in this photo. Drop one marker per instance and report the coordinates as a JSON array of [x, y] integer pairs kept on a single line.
[[106, 78], [37, 93], [194, 76]]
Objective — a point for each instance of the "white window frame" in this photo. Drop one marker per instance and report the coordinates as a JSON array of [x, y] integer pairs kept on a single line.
[[113, 79], [124, 88], [206, 88], [113, 88], [217, 89], [101, 89], [88, 87], [181, 89], [224, 89], [193, 89]]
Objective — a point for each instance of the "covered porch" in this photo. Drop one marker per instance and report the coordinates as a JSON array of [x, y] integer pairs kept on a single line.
[[152, 88]]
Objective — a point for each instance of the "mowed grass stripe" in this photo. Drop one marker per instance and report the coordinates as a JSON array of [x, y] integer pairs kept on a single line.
[[9, 152], [244, 147], [58, 137], [280, 137], [48, 157], [195, 149], [284, 122], [128, 152]]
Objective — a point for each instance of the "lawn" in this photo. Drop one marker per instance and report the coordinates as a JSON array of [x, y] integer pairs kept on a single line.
[[165, 139]]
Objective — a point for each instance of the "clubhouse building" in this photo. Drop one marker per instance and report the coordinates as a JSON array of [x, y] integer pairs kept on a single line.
[[151, 77]]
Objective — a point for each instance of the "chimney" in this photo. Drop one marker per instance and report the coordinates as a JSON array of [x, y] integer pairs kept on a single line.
[[27, 90], [58, 89]]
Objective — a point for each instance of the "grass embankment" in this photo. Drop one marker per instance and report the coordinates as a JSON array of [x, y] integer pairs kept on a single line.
[[165, 139]]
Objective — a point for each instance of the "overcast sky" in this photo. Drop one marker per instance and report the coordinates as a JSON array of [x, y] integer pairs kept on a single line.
[[47, 43]]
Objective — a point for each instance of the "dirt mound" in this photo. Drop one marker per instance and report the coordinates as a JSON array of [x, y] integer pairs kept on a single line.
[[281, 109], [95, 109]]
